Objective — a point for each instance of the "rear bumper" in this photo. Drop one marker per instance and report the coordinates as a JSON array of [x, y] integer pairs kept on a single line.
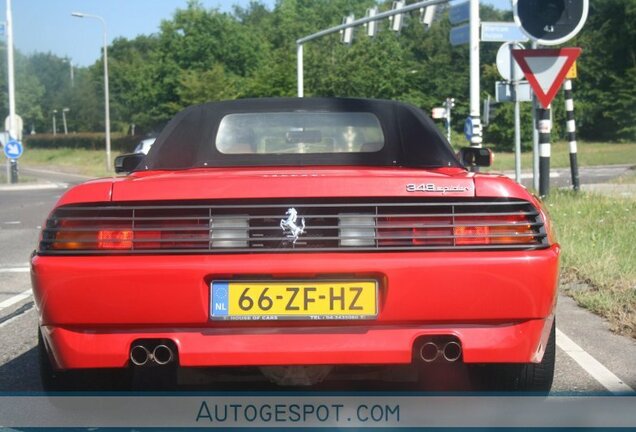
[[521, 342], [498, 304]]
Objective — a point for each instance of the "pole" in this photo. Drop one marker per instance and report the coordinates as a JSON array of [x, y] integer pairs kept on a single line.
[[13, 133], [300, 70], [449, 106], [515, 98], [535, 139], [54, 125], [545, 127], [106, 90], [476, 138], [64, 121], [106, 98], [571, 133]]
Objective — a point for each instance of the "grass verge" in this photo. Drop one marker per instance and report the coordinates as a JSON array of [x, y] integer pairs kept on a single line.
[[597, 234], [75, 161], [588, 154]]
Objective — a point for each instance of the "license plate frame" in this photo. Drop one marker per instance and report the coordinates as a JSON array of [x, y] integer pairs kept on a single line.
[[369, 310]]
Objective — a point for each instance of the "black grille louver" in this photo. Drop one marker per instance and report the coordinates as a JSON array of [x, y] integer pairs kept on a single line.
[[331, 226]]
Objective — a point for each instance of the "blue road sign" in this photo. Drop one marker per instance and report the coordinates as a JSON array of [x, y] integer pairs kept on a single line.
[[13, 149], [459, 13], [502, 32], [468, 128], [460, 35]]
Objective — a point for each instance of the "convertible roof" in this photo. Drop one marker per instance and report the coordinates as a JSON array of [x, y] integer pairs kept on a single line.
[[411, 138]]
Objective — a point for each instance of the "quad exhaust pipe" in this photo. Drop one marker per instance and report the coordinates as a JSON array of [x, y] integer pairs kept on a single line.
[[452, 351], [430, 351], [161, 355], [139, 355]]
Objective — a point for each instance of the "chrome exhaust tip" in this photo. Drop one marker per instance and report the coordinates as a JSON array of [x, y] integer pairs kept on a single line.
[[162, 354], [452, 351], [429, 352], [139, 355]]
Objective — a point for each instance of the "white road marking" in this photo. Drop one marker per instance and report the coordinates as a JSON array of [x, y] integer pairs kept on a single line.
[[31, 187], [12, 223], [15, 270], [592, 366], [16, 317], [15, 299], [45, 171]]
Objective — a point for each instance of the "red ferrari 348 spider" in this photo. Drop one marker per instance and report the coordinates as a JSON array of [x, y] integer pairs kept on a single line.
[[298, 235]]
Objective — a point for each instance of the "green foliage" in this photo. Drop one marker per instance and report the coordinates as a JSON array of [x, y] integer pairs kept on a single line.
[[607, 68], [202, 55], [86, 140]]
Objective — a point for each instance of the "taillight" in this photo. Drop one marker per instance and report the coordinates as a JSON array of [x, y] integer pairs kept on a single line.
[[425, 231], [70, 234], [111, 239], [493, 230], [460, 230]]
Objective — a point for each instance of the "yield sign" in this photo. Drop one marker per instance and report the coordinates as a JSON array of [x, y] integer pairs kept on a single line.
[[545, 69]]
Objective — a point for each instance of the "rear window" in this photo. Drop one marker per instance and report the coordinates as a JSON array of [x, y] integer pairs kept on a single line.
[[299, 133]]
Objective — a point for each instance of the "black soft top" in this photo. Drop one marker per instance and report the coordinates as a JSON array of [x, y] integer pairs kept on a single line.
[[411, 137]]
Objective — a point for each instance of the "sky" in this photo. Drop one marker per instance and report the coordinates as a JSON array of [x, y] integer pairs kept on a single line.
[[47, 25]]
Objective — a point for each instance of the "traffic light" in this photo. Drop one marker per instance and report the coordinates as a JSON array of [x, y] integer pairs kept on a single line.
[[346, 35], [397, 20], [427, 16], [372, 26], [550, 22], [489, 109]]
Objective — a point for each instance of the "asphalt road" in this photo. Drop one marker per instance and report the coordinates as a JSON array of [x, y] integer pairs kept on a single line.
[[589, 357]]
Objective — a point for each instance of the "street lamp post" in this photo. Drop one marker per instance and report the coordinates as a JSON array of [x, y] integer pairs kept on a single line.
[[72, 71], [54, 125], [106, 91], [64, 111]]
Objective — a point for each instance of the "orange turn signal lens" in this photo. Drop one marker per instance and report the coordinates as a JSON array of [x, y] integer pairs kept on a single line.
[[510, 229], [471, 235]]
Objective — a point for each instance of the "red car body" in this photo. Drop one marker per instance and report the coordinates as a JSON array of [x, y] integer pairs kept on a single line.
[[497, 304]]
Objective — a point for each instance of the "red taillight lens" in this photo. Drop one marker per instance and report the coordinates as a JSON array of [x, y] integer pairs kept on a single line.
[[493, 229], [400, 231], [477, 230], [112, 239]]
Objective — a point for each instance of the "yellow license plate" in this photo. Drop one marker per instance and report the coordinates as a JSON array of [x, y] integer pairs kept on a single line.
[[323, 300]]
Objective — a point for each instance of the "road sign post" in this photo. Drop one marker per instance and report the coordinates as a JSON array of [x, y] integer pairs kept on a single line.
[[476, 138], [13, 150], [544, 126], [548, 22], [511, 71], [449, 104], [570, 127], [545, 70], [514, 80]]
